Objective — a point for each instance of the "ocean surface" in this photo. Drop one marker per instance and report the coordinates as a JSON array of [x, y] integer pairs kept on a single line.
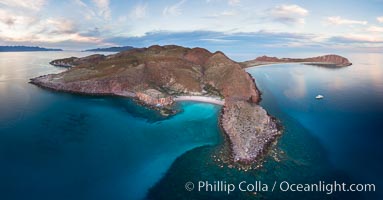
[[65, 146]]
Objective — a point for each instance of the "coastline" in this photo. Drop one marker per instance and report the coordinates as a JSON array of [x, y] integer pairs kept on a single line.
[[330, 61], [245, 156], [248, 126], [260, 64], [204, 99]]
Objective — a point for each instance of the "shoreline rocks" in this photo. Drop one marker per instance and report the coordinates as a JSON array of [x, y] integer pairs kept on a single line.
[[155, 98]]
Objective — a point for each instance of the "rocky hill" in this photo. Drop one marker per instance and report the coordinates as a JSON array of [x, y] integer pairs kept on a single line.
[[172, 70], [326, 61], [156, 74]]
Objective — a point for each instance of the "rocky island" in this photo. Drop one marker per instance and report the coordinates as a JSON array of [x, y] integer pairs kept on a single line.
[[25, 49], [158, 75], [325, 61]]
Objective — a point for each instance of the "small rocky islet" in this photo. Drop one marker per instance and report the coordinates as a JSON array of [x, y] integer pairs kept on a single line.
[[155, 75], [330, 61]]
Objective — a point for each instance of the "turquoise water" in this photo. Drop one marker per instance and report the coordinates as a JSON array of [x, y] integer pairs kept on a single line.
[[63, 146], [347, 122], [338, 138]]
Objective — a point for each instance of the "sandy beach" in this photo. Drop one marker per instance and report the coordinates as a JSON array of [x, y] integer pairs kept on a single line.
[[205, 99]]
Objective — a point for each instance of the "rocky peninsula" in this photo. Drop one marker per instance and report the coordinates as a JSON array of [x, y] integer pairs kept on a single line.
[[160, 75], [332, 61]]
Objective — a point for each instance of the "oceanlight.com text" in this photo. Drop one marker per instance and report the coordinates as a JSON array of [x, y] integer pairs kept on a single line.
[[282, 186]]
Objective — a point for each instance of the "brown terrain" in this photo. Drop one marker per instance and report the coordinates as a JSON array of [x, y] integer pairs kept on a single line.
[[74, 61], [325, 61], [156, 74]]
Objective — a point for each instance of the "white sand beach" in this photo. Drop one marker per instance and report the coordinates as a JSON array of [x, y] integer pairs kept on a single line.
[[213, 100]]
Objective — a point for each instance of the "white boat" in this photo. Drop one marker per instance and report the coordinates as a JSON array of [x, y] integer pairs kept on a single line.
[[319, 97]]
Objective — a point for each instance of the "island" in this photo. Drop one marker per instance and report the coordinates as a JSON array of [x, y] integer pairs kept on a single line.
[[160, 75], [332, 61], [25, 48], [111, 49]]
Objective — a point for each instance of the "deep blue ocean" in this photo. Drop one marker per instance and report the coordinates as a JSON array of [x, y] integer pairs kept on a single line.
[[65, 146]]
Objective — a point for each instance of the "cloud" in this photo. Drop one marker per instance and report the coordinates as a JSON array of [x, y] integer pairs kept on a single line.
[[94, 32], [225, 13], [288, 14], [233, 2], [24, 28], [12, 19], [337, 20], [86, 11], [29, 5], [375, 29], [250, 43], [216, 40], [230, 2], [60, 26], [139, 11], [103, 8], [260, 42], [7, 19], [356, 38], [228, 13], [220, 24], [208, 38], [174, 10]]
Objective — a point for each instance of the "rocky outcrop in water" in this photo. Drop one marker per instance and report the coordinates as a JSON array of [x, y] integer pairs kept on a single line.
[[326, 60], [250, 129], [154, 98], [154, 75]]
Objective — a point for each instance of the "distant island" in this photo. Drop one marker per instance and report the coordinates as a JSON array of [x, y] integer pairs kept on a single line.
[[331, 61], [25, 48], [111, 49], [160, 75]]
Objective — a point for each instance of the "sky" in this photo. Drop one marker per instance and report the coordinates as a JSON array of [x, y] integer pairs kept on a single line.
[[272, 25]]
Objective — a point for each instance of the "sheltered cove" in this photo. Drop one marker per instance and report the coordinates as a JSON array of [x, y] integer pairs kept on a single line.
[[160, 75]]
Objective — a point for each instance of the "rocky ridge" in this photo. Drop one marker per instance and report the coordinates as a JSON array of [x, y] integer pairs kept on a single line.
[[326, 61]]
